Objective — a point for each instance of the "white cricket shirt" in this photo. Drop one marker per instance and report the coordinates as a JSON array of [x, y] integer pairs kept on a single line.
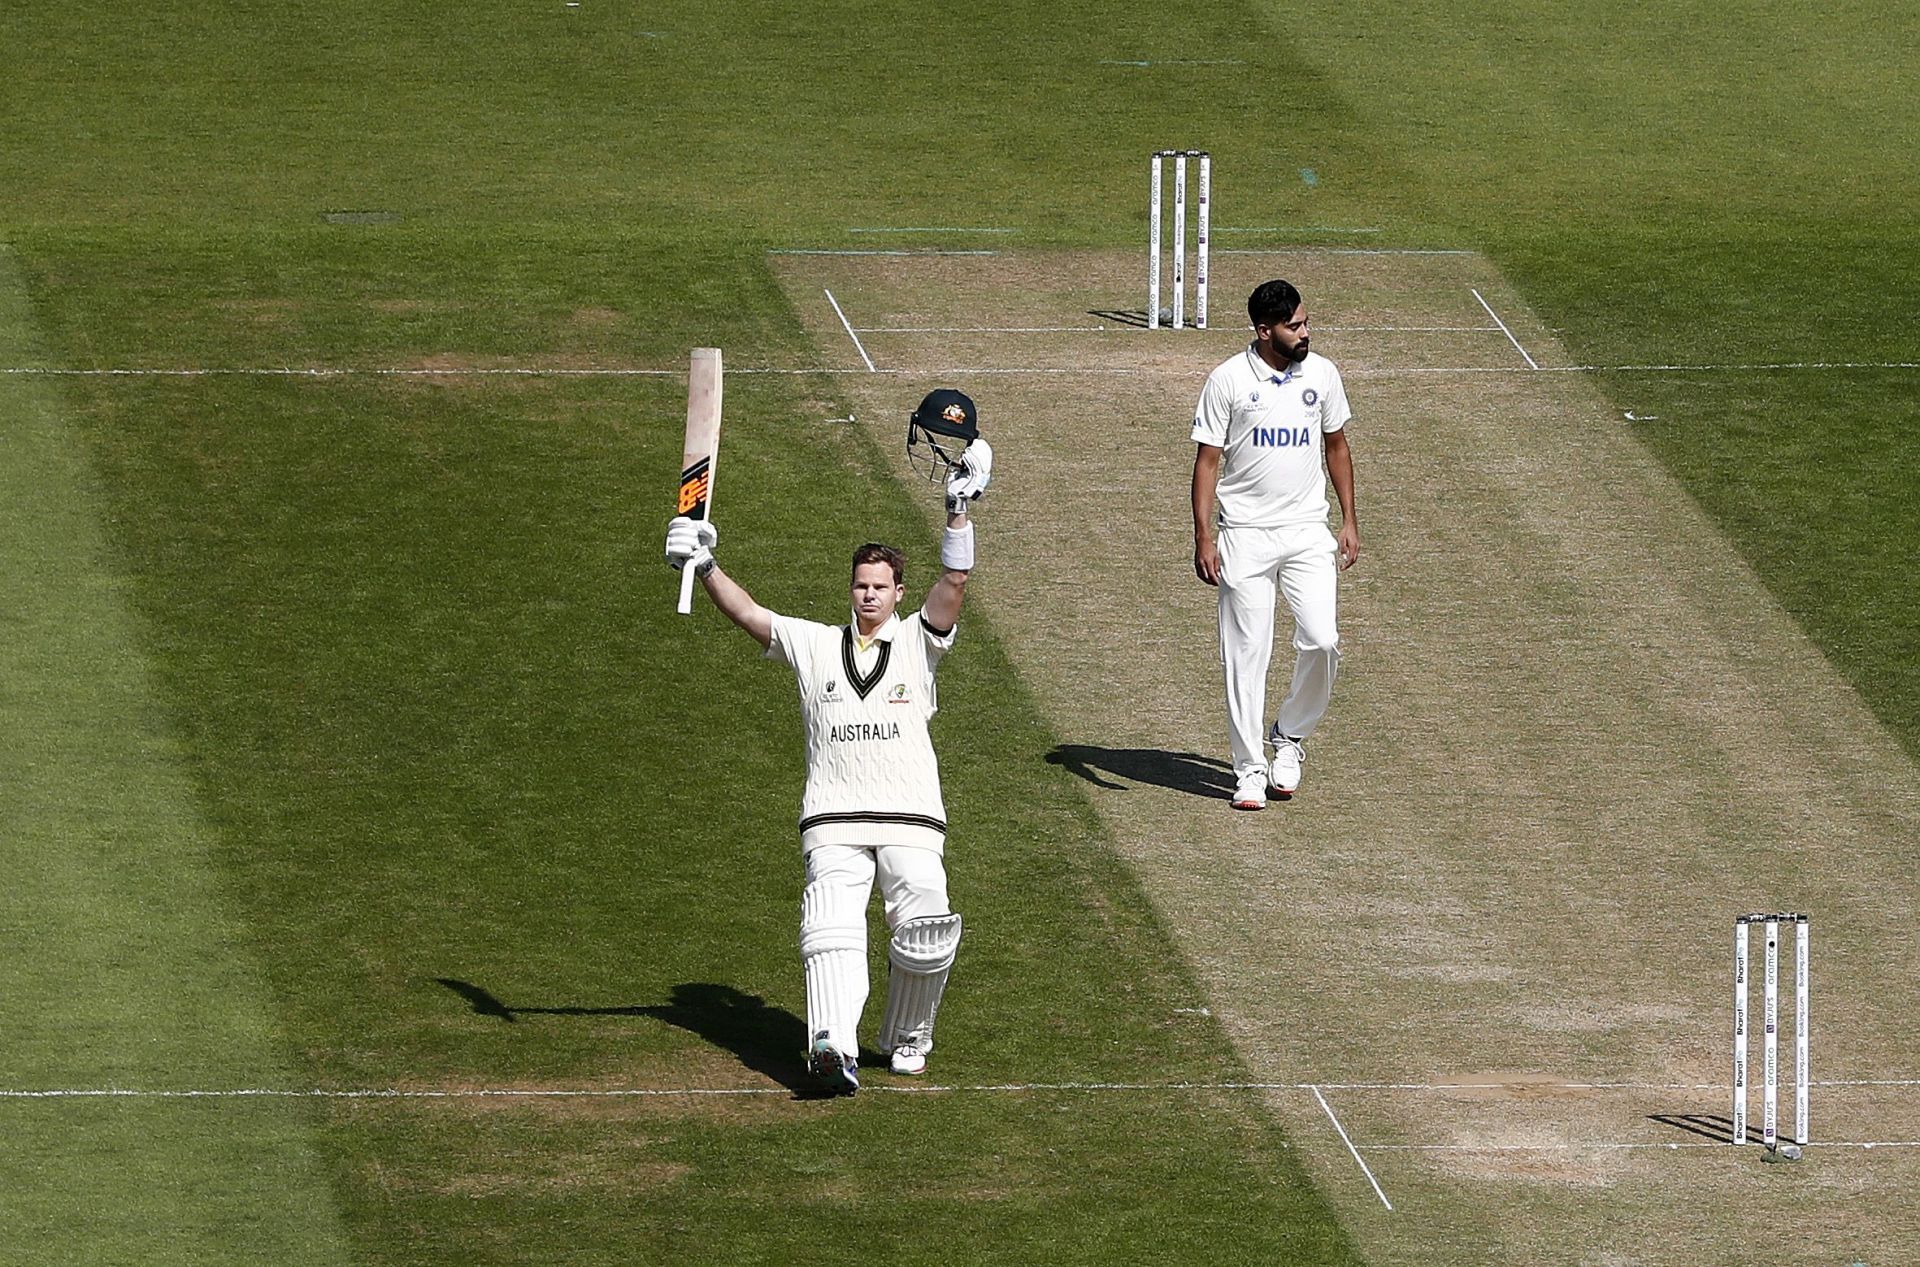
[[871, 775], [1268, 424]]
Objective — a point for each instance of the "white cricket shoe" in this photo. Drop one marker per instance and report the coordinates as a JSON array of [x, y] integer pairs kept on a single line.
[[1284, 775], [835, 1070], [1250, 790], [908, 1060]]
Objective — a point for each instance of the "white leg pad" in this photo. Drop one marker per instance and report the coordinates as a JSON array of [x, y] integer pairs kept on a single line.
[[833, 953], [922, 955]]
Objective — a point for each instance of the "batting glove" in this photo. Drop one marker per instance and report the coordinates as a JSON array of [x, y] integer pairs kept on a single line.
[[690, 541], [970, 477]]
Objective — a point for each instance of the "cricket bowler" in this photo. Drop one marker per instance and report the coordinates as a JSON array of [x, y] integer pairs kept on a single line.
[[1269, 432], [872, 807]]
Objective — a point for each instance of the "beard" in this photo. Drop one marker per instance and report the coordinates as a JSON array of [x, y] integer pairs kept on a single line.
[[1298, 352]]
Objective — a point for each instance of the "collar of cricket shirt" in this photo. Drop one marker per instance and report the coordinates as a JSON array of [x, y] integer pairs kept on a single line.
[[863, 683], [1266, 373], [884, 633]]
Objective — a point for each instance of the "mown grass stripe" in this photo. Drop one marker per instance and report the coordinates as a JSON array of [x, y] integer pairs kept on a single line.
[[117, 961]]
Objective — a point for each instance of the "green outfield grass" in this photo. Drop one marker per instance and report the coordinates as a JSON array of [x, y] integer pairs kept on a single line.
[[1702, 184], [418, 693], [1695, 183], [120, 965], [495, 817]]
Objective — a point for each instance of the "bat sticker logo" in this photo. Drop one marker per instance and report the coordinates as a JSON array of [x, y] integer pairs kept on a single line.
[[693, 487]]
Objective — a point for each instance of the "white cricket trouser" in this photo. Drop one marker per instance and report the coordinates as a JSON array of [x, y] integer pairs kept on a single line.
[[1300, 563], [833, 924]]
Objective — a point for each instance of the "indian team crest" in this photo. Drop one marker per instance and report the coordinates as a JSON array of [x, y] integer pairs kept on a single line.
[[1309, 397]]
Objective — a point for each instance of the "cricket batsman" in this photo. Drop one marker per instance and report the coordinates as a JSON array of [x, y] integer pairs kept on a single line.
[[872, 806]]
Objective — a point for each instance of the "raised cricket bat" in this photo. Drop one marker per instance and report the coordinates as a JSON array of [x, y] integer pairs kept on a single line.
[[701, 453]]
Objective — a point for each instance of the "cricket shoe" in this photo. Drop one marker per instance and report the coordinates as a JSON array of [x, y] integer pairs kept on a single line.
[[908, 1060], [1283, 777], [1250, 790], [836, 1071]]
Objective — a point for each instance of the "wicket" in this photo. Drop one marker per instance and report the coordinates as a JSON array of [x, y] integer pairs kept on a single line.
[[1178, 314], [1770, 1019]]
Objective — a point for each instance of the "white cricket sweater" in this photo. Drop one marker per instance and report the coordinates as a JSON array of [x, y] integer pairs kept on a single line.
[[872, 778]]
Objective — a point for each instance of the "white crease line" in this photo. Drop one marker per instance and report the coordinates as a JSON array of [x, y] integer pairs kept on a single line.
[[387, 1093], [1133, 329], [952, 371], [1728, 367], [812, 251], [1062, 371], [1765, 365], [930, 229], [991, 329], [1874, 1143], [511, 371], [1331, 250], [481, 1093], [537, 1093], [531, 371], [612, 1093], [850, 333], [1004, 1088], [1294, 228], [1364, 1168], [1599, 1145], [999, 1088], [1531, 363]]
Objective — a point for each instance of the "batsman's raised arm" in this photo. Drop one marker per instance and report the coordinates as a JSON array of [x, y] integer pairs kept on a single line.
[[970, 473], [956, 564], [690, 543], [943, 441]]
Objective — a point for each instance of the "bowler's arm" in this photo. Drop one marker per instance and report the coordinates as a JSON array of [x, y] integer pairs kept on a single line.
[[1206, 479], [1340, 472]]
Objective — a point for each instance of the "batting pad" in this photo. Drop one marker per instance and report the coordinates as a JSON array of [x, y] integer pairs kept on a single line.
[[833, 953], [922, 955], [832, 917]]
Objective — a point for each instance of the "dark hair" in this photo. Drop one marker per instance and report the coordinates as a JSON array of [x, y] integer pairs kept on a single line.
[[1272, 302], [874, 552]]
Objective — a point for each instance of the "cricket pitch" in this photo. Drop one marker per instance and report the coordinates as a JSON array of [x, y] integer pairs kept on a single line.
[[1484, 955]]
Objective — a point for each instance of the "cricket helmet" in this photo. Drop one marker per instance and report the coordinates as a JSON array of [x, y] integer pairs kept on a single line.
[[939, 431]]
